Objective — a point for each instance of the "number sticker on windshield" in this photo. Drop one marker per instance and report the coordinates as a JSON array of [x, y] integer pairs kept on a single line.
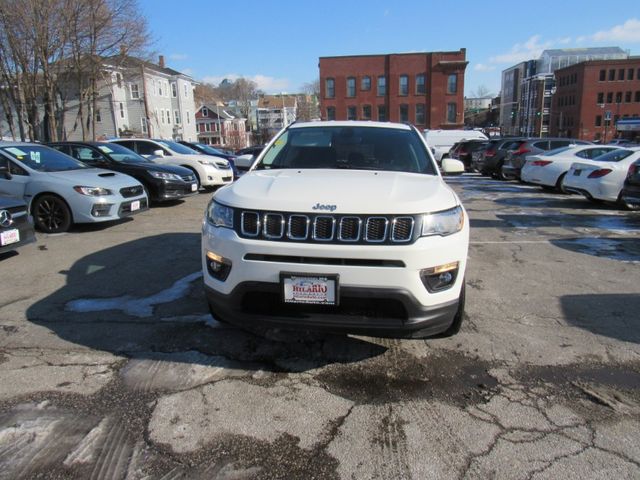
[[105, 149], [34, 156]]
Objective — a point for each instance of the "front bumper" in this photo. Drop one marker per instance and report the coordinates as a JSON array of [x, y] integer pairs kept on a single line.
[[212, 176], [24, 224], [366, 311], [172, 190], [510, 171], [107, 208], [381, 291]]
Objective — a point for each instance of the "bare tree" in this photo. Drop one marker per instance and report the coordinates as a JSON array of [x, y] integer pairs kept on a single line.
[[243, 92], [481, 92], [45, 44], [312, 88]]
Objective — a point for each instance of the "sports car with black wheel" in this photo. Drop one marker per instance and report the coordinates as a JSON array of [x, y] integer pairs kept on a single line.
[[16, 225], [62, 191]]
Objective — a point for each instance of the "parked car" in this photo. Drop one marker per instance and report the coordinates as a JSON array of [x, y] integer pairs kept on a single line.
[[209, 171], [247, 157], [464, 150], [515, 158], [62, 191], [344, 226], [623, 142], [211, 151], [630, 194], [489, 160], [441, 141], [161, 182], [549, 169], [16, 225], [603, 179], [254, 150]]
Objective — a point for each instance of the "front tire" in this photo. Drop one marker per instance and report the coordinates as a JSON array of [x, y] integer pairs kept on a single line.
[[51, 214], [195, 174]]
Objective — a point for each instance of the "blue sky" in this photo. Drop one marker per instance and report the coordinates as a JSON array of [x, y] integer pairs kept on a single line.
[[277, 43]]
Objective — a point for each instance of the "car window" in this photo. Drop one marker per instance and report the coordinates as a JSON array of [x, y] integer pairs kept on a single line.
[[593, 152], [358, 148], [542, 145], [146, 148], [176, 147], [11, 167], [121, 154], [615, 155], [86, 154], [43, 159], [62, 148]]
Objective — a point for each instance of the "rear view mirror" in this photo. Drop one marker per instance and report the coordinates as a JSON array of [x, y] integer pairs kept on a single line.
[[451, 166], [158, 153]]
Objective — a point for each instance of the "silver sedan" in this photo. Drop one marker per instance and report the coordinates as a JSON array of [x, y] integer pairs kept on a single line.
[[61, 191]]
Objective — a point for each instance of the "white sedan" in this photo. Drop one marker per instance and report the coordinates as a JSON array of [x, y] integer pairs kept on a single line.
[[601, 179], [548, 169], [209, 171]]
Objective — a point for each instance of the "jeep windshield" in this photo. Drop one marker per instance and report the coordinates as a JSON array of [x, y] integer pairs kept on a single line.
[[349, 147]]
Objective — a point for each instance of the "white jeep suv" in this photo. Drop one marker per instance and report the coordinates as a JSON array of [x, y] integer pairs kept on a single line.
[[340, 226]]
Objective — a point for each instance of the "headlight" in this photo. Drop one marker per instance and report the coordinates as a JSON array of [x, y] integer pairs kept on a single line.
[[205, 162], [443, 223], [92, 191], [165, 176], [220, 215]]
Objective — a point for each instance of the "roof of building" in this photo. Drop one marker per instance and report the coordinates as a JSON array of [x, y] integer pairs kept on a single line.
[[277, 101], [126, 61], [219, 112], [556, 52]]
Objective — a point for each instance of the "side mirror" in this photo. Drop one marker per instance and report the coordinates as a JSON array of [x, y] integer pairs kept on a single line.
[[158, 153], [4, 172], [451, 166]]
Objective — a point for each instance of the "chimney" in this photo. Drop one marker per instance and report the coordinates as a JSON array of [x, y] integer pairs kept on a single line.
[[161, 61]]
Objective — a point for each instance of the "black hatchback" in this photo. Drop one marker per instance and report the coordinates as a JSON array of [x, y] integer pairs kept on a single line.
[[162, 182]]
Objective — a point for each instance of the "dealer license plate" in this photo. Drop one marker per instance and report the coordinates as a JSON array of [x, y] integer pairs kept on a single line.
[[10, 236], [194, 187], [135, 205], [309, 289]]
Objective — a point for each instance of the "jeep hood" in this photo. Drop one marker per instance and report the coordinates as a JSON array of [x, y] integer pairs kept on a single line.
[[339, 191]]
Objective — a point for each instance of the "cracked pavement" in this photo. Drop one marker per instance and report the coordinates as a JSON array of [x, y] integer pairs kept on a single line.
[[543, 381]]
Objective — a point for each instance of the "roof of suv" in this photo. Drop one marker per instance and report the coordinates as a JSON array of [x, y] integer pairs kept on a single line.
[[351, 123]]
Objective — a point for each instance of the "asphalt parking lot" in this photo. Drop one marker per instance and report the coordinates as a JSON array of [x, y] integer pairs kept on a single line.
[[111, 367]]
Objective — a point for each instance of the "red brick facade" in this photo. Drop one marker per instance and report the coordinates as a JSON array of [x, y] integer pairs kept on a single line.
[[439, 105], [585, 92]]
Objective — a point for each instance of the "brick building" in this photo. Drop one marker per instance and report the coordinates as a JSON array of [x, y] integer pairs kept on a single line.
[[426, 89], [592, 97]]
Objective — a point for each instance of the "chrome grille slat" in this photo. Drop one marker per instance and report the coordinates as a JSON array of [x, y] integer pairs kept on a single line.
[[402, 229], [323, 228], [298, 228], [273, 225], [349, 230], [250, 224], [376, 229]]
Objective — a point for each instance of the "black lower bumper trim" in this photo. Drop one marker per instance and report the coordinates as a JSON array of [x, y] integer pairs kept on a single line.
[[367, 311]]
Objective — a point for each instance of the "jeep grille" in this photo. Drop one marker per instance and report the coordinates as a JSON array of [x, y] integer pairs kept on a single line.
[[311, 228]]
